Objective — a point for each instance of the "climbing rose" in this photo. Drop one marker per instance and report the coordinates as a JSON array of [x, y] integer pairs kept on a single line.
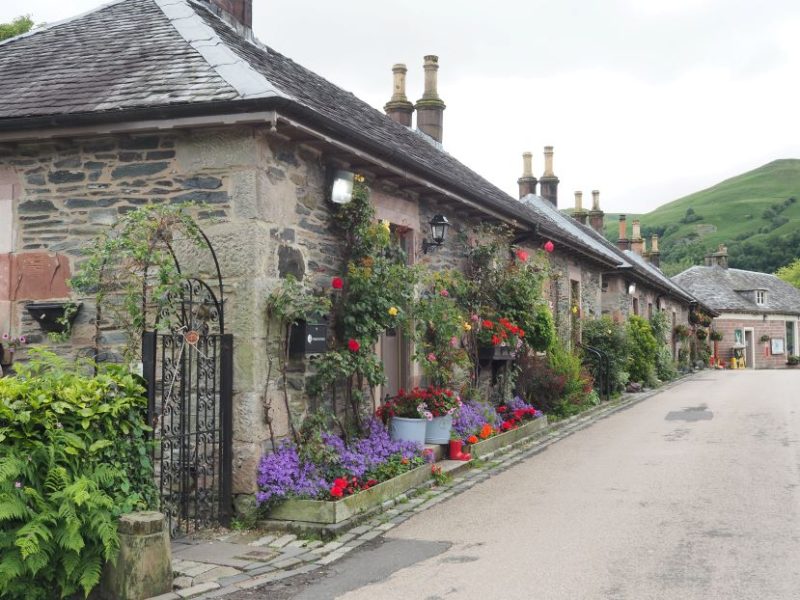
[[522, 255], [432, 357], [549, 246], [337, 283], [353, 345], [444, 293]]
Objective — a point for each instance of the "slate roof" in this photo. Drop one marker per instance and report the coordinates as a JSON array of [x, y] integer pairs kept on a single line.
[[124, 55], [658, 274], [719, 288]]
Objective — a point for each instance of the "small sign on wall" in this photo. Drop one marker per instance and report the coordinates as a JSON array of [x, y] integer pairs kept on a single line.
[[776, 346]]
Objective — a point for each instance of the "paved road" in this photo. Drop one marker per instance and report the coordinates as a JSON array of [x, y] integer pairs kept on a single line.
[[692, 494]]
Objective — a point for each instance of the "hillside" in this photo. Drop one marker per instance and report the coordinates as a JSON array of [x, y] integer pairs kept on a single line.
[[757, 214]]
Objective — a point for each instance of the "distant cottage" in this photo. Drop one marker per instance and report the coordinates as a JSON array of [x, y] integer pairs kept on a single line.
[[759, 314]]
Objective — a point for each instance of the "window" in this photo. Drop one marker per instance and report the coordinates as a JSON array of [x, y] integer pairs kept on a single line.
[[636, 306], [790, 350], [761, 296]]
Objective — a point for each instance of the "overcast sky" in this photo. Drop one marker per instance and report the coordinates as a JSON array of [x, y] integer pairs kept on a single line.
[[645, 100]]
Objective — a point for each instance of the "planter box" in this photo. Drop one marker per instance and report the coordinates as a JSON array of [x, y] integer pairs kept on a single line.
[[329, 512], [506, 439], [496, 353]]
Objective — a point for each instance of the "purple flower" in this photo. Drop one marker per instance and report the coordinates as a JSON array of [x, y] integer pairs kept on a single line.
[[283, 474], [472, 416], [23, 339]]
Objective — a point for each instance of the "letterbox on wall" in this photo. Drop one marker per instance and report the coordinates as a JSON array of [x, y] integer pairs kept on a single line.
[[308, 338]]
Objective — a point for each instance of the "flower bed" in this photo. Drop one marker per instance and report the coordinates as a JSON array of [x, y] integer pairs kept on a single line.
[[326, 480], [478, 421], [329, 513], [512, 436]]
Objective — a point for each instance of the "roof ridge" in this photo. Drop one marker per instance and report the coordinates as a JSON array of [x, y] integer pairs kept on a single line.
[[49, 26], [236, 72]]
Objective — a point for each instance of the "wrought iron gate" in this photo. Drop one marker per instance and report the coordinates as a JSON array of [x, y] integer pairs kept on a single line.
[[188, 364]]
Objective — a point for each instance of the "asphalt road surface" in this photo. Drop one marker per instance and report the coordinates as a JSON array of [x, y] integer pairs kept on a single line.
[[691, 494]]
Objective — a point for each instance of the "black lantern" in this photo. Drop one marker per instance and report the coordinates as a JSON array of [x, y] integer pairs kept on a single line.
[[439, 225]]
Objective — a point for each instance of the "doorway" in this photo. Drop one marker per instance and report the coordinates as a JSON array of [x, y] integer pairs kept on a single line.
[[749, 351]]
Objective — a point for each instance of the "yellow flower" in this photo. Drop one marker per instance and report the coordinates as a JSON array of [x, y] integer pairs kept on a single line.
[[467, 327], [393, 311], [358, 178], [574, 310], [385, 224]]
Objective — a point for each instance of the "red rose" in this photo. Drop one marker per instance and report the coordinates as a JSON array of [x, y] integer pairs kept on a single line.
[[337, 283], [353, 345], [522, 255], [549, 246]]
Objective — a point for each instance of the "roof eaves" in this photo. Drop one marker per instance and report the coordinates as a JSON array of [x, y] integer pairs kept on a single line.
[[238, 73]]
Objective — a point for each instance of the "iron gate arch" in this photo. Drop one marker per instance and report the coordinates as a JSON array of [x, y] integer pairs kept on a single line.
[[187, 361]]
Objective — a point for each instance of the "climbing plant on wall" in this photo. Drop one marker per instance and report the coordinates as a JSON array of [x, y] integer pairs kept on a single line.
[[373, 294]]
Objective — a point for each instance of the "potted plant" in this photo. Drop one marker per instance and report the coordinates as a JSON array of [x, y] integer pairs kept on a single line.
[[793, 361], [701, 334], [440, 404], [498, 340], [8, 347], [406, 415], [682, 332]]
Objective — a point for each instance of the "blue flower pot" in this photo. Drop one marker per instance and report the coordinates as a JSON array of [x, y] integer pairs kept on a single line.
[[437, 430], [407, 430]]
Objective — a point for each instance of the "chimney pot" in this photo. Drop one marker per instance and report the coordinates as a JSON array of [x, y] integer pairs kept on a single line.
[[579, 214], [578, 201], [430, 108], [637, 243], [655, 254], [595, 199], [527, 183], [622, 242], [399, 109], [548, 183]]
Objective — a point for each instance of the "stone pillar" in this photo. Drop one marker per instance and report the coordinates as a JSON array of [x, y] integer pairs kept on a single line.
[[596, 216], [579, 214], [622, 242], [527, 183], [144, 564], [548, 183], [430, 108], [399, 109]]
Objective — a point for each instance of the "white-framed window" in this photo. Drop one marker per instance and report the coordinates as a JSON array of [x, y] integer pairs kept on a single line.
[[761, 297]]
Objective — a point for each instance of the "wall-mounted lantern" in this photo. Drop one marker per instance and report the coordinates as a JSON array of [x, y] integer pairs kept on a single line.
[[631, 288], [341, 186], [439, 225]]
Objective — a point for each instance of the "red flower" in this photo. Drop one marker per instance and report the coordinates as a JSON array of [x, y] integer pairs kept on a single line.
[[353, 345], [337, 492], [472, 439], [501, 409], [522, 255], [488, 324], [519, 413], [549, 246], [340, 482], [337, 283], [372, 482], [496, 340]]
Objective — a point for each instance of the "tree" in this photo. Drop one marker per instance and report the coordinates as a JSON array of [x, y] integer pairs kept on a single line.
[[790, 273], [18, 26]]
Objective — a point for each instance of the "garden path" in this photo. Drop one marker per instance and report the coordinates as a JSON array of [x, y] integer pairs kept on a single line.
[[693, 494]]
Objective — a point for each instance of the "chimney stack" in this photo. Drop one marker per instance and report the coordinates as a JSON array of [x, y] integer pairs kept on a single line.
[[399, 109], [718, 258], [637, 243], [579, 214], [548, 183], [622, 242], [596, 216], [655, 253], [240, 11], [527, 183], [430, 108]]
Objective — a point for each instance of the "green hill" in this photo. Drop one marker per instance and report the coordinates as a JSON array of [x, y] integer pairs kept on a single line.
[[756, 214]]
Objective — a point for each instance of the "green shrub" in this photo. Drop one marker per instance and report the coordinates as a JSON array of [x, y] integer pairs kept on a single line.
[[665, 364], [643, 351], [611, 338], [73, 457]]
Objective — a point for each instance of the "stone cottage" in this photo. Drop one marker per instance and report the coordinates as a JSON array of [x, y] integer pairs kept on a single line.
[[758, 313], [98, 119]]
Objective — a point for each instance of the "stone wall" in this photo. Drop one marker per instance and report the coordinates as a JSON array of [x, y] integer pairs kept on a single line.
[[566, 268]]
